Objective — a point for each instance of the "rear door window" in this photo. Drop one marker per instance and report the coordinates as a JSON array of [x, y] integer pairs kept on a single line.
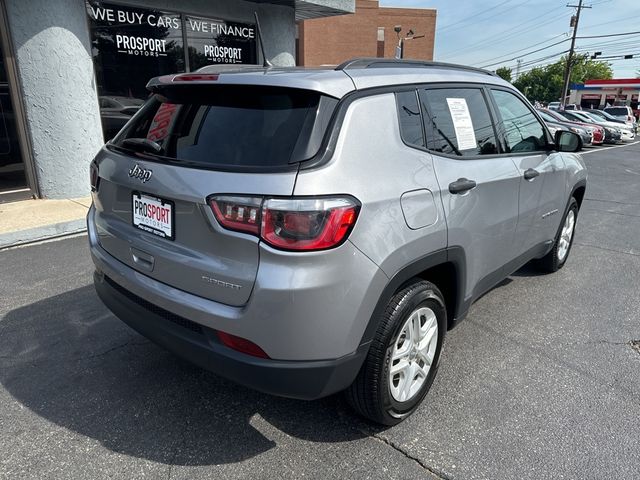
[[232, 127], [457, 122]]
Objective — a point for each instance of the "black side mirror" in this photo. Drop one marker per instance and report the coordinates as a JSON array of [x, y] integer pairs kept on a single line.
[[567, 141]]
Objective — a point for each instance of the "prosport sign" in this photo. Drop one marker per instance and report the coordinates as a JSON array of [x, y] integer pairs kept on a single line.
[[143, 32], [220, 42]]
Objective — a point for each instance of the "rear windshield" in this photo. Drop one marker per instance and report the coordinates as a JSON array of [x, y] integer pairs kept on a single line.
[[227, 127], [617, 111]]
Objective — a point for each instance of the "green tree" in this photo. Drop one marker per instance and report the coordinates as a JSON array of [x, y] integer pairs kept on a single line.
[[505, 73], [545, 83]]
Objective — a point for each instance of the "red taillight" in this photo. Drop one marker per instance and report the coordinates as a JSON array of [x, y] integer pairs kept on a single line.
[[238, 213], [307, 224], [299, 224], [241, 345], [94, 176]]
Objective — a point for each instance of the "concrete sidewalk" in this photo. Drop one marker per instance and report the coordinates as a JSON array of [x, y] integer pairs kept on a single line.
[[34, 220]]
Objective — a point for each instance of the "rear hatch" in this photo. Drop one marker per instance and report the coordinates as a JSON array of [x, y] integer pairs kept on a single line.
[[184, 145]]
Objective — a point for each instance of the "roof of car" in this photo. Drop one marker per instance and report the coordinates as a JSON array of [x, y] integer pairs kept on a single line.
[[356, 74]]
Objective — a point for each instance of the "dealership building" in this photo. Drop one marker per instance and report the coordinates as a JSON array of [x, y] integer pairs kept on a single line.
[[611, 92], [73, 71]]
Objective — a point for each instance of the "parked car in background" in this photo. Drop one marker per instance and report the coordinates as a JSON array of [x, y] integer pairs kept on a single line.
[[554, 106], [120, 104], [612, 134], [628, 131], [596, 131], [555, 124], [115, 112], [610, 118], [572, 106], [621, 112]]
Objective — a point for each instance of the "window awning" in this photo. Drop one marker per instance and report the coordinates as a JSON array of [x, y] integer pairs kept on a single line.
[[306, 9]]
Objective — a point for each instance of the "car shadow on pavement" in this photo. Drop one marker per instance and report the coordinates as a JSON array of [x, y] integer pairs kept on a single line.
[[69, 360]]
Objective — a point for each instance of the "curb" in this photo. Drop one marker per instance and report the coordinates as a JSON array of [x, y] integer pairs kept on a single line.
[[46, 232]]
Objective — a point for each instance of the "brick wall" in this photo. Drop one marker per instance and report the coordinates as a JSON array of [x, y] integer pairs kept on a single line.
[[332, 40]]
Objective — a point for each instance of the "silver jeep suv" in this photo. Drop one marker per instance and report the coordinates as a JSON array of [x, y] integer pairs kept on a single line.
[[304, 232]]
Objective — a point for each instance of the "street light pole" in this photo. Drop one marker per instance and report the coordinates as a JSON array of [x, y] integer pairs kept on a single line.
[[410, 36]]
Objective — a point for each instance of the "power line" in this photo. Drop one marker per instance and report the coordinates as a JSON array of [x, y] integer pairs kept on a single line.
[[528, 53], [516, 29], [516, 51], [611, 34], [473, 17]]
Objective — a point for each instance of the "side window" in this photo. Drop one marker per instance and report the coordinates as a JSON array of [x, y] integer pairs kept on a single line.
[[410, 119], [458, 122], [523, 131]]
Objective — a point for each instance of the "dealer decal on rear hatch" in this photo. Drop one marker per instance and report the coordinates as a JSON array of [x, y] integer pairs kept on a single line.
[[152, 214]]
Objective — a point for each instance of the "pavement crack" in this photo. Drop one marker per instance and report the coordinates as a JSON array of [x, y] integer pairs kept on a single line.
[[106, 352], [607, 249], [610, 201], [613, 213], [75, 359], [635, 345], [436, 473], [369, 433]]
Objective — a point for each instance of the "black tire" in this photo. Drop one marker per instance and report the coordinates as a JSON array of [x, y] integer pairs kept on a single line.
[[550, 263], [370, 394]]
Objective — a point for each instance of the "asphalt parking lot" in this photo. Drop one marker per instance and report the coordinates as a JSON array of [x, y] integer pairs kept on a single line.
[[541, 381]]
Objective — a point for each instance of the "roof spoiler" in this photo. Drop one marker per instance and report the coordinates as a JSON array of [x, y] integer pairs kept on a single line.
[[362, 63]]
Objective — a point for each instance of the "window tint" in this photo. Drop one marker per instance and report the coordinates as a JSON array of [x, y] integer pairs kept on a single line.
[[523, 131], [410, 120], [228, 127], [457, 121]]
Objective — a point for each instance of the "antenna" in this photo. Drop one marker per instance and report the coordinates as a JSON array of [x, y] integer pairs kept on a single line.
[[265, 63]]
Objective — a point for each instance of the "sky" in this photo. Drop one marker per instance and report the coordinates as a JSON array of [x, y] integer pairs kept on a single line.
[[496, 33]]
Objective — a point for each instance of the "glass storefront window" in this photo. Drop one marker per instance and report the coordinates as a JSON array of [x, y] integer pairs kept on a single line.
[[131, 45], [218, 42], [12, 174]]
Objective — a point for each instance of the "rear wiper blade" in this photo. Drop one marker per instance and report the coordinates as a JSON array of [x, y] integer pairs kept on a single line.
[[142, 145]]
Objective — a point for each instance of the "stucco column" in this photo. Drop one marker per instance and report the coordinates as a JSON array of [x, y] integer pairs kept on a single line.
[[52, 48]]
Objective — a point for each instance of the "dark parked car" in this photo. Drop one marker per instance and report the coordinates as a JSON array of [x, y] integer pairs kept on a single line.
[[555, 124], [596, 131], [611, 134], [115, 112]]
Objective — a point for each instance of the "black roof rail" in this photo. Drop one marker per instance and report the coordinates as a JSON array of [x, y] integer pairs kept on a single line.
[[360, 63]]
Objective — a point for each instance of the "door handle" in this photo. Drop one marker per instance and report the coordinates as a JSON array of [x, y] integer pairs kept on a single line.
[[530, 174], [461, 185]]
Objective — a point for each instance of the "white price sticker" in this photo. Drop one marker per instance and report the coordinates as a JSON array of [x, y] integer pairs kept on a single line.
[[462, 123]]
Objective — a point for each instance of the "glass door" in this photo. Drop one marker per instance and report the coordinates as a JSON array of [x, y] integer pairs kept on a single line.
[[13, 181]]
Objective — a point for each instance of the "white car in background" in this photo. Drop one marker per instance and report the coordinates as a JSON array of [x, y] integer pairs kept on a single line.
[[627, 133], [623, 113]]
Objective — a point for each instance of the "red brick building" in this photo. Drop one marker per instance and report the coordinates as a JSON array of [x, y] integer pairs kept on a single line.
[[367, 33]]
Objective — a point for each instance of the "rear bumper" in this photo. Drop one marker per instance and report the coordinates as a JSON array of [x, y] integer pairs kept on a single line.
[[307, 380]]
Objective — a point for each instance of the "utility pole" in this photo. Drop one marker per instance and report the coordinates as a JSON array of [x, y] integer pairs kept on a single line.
[[518, 63], [567, 69]]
